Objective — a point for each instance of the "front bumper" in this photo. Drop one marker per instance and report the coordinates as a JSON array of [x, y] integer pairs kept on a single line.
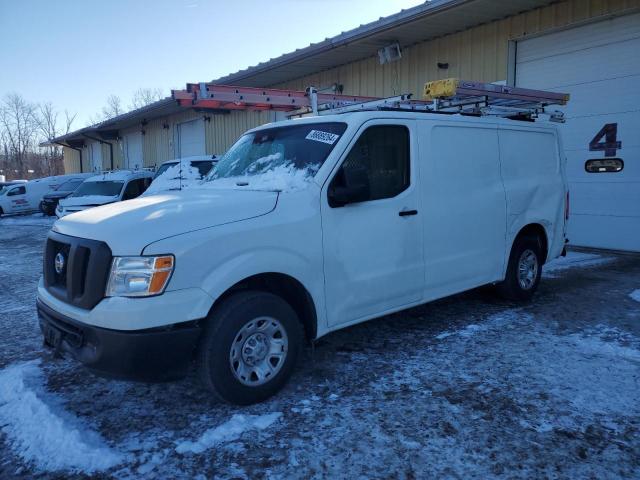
[[48, 207], [153, 354]]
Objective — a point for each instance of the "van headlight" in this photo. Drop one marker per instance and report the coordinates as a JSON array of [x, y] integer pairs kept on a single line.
[[139, 276]]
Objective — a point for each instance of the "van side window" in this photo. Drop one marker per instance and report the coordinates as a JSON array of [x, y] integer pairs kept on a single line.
[[17, 191], [383, 153], [134, 189]]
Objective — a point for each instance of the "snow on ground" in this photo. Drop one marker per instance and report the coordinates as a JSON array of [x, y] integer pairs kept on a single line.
[[635, 295], [35, 219], [43, 434], [228, 431], [574, 260], [465, 387]]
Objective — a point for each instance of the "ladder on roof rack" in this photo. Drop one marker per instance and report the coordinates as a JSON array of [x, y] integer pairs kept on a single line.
[[440, 96], [227, 97], [470, 98]]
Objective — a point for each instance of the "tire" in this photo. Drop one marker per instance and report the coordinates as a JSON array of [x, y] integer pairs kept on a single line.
[[230, 356], [520, 285]]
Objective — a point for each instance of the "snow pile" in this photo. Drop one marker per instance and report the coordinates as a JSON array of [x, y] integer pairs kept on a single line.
[[574, 259], [174, 179], [228, 431], [494, 321], [44, 434], [635, 295]]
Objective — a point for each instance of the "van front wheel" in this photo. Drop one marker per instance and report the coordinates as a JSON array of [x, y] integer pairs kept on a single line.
[[524, 270], [249, 348]]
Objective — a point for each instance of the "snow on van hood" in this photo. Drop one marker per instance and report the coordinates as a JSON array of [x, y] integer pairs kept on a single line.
[[128, 227], [88, 200]]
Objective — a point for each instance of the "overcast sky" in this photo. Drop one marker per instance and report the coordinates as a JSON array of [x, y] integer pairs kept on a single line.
[[75, 53]]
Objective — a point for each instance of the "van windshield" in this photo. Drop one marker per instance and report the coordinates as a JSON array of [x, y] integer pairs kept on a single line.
[[68, 186], [279, 158], [106, 188]]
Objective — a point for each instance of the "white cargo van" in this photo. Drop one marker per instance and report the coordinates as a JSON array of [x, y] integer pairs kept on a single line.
[[26, 197], [304, 227]]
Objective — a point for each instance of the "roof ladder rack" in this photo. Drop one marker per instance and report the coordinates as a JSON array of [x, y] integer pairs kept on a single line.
[[440, 96], [227, 97], [470, 98]]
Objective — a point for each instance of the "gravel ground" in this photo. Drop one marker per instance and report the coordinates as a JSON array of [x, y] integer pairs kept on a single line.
[[465, 387]]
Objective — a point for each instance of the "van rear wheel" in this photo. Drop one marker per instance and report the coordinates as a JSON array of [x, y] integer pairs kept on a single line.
[[524, 270], [249, 348]]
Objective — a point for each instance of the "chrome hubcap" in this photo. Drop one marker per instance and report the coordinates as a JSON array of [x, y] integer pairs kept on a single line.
[[527, 269], [258, 351]]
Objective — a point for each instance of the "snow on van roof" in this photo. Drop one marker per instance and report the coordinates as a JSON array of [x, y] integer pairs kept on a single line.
[[119, 175]]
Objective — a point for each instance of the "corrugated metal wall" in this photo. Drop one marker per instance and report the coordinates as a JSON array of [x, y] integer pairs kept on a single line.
[[480, 53], [224, 129]]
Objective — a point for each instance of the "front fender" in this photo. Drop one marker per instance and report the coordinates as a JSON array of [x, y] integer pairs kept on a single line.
[[269, 260]]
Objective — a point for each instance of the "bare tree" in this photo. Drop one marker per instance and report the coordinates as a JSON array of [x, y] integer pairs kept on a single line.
[[19, 125], [113, 108], [68, 121], [145, 96]]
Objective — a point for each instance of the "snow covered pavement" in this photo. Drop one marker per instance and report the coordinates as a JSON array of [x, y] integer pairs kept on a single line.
[[468, 386]]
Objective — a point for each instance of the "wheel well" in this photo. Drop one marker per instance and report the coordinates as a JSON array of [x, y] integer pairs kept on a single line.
[[287, 288], [535, 230]]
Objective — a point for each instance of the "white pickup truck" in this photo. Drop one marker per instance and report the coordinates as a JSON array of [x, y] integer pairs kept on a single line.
[[304, 227]]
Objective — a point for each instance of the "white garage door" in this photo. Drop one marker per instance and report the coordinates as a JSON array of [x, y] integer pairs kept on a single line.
[[191, 138], [599, 65], [96, 157], [133, 150]]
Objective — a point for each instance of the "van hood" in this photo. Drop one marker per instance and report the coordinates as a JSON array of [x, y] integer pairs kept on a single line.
[[128, 227], [88, 200]]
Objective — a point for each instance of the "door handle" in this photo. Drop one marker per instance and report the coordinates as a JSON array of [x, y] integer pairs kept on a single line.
[[406, 213]]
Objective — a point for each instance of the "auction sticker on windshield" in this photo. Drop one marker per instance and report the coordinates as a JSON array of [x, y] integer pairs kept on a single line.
[[324, 137]]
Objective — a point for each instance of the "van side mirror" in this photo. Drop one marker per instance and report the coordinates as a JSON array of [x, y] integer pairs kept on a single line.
[[351, 185]]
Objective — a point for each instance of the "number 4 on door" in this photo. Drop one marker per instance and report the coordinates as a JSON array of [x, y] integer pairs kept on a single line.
[[610, 144]]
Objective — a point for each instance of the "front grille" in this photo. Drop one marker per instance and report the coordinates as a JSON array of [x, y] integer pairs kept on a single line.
[[60, 279], [82, 280]]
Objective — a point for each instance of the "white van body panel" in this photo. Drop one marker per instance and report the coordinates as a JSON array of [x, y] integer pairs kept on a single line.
[[535, 182], [464, 217], [471, 182]]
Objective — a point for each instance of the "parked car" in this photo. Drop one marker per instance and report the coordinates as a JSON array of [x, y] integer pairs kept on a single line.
[[50, 201], [303, 228], [181, 173], [105, 188]]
